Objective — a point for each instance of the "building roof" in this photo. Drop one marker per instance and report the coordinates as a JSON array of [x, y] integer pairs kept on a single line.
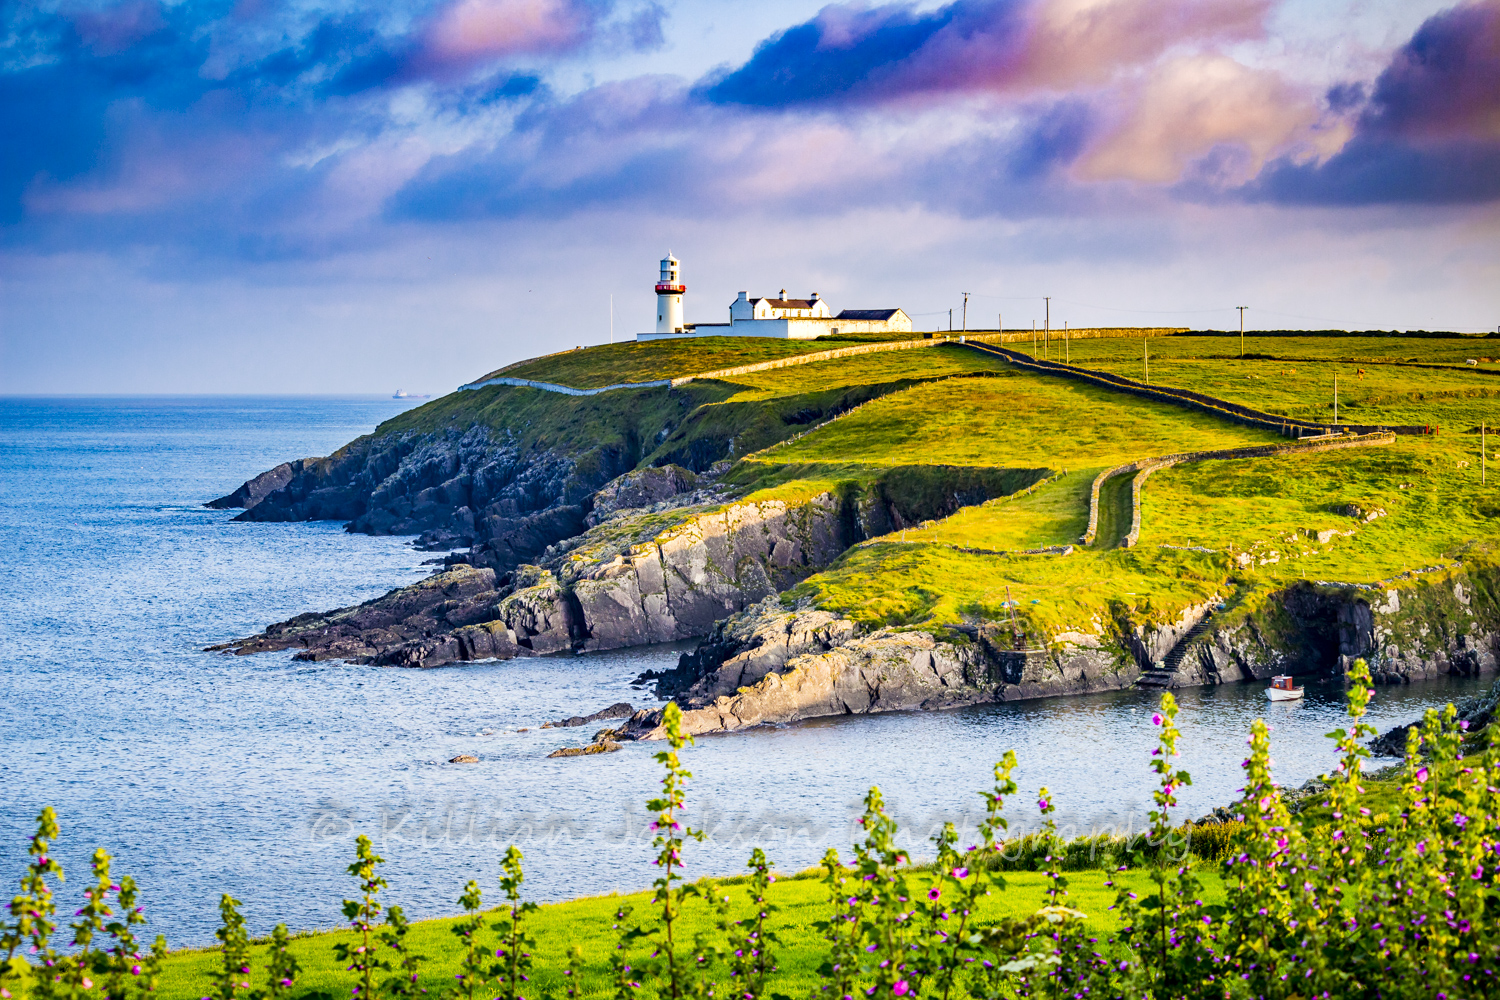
[[867, 314], [788, 303]]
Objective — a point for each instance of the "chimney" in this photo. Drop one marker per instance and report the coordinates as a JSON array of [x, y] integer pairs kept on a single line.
[[815, 296], [783, 294]]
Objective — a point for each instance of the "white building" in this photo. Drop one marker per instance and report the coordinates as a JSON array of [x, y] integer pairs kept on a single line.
[[781, 317]]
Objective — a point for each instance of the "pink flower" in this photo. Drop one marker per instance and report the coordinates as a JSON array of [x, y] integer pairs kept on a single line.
[[934, 892], [135, 970], [1156, 719], [1041, 804], [900, 988], [1421, 775], [960, 873]]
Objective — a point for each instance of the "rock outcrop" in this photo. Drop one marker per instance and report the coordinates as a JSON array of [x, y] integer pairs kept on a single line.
[[619, 710], [771, 664], [774, 665], [257, 489], [659, 573], [1431, 626], [477, 489]]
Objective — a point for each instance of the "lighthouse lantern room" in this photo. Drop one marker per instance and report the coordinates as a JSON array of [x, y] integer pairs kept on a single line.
[[669, 292]]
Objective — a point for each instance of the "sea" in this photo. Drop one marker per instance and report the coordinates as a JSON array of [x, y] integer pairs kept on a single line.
[[207, 773]]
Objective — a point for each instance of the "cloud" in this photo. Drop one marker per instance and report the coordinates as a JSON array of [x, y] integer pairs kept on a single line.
[[1430, 132], [861, 55], [188, 112], [1445, 83], [1191, 105]]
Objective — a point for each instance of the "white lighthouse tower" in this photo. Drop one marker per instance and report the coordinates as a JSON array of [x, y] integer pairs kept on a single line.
[[669, 292]]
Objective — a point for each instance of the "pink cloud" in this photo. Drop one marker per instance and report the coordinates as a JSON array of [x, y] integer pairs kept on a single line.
[[1065, 44], [473, 31], [1190, 105]]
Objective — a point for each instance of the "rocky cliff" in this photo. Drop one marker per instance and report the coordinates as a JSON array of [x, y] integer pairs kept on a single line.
[[770, 664], [477, 488], [665, 571]]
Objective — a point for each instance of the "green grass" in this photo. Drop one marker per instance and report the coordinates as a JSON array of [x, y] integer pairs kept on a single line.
[[1300, 383], [1015, 419], [1436, 510], [865, 369], [608, 364], [587, 924], [1054, 514], [928, 585]]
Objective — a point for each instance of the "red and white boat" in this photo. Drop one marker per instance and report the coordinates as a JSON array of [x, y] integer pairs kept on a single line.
[[1283, 689]]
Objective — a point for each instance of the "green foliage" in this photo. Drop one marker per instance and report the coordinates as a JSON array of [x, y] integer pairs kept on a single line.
[[30, 925], [473, 971], [363, 915], [234, 951], [404, 964], [516, 942], [752, 938], [282, 966], [670, 962]]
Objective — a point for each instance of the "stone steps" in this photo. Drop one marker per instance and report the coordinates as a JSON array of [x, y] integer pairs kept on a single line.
[[1173, 659], [1156, 679]]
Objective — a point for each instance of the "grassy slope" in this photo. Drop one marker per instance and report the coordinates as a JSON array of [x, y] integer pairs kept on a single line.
[[919, 578], [656, 425], [1437, 507], [608, 364], [1018, 420], [587, 923], [1013, 421], [764, 408]]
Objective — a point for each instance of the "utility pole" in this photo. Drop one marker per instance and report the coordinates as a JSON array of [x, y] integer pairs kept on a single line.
[[1000, 323], [1242, 329], [966, 312], [1033, 338], [1146, 356], [1067, 345], [950, 320], [1047, 331]]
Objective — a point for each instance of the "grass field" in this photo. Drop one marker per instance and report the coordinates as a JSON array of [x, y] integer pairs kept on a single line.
[[865, 369], [587, 924], [608, 364], [1295, 376], [1015, 419]]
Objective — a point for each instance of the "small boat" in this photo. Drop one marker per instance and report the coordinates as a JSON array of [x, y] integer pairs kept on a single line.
[[1282, 689]]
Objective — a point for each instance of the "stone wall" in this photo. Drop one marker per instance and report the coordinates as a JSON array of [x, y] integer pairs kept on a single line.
[[1186, 398]]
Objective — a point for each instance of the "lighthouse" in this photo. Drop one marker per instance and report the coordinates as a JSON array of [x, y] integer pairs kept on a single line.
[[669, 292]]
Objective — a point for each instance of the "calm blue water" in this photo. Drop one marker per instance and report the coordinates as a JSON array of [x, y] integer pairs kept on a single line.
[[206, 773]]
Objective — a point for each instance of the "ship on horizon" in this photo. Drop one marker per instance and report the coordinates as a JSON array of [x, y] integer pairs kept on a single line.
[[403, 394]]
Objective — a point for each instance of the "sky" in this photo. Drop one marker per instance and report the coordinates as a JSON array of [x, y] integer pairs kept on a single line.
[[265, 196]]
